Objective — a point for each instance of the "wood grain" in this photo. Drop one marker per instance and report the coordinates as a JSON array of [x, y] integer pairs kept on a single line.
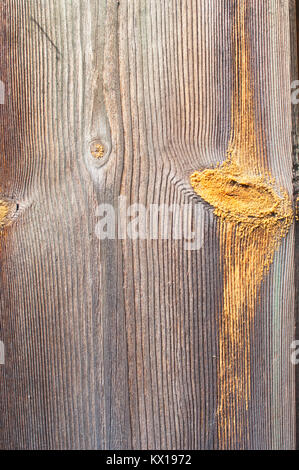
[[114, 344], [294, 42]]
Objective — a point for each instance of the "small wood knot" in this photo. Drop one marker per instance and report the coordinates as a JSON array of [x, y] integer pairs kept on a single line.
[[8, 210], [97, 150]]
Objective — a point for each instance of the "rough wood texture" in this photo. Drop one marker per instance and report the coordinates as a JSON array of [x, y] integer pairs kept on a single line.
[[294, 34], [115, 343]]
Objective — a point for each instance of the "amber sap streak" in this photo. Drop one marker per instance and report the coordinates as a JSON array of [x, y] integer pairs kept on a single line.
[[4, 213]]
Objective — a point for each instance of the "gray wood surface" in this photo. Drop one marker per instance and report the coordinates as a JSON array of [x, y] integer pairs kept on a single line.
[[114, 344], [294, 42]]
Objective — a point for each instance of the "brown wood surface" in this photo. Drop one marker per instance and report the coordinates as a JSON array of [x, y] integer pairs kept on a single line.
[[114, 344], [294, 35]]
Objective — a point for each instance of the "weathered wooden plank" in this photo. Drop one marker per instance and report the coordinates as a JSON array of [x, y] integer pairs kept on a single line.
[[117, 343], [294, 42]]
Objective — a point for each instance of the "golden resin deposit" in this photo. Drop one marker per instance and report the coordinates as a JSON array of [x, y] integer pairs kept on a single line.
[[4, 213]]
